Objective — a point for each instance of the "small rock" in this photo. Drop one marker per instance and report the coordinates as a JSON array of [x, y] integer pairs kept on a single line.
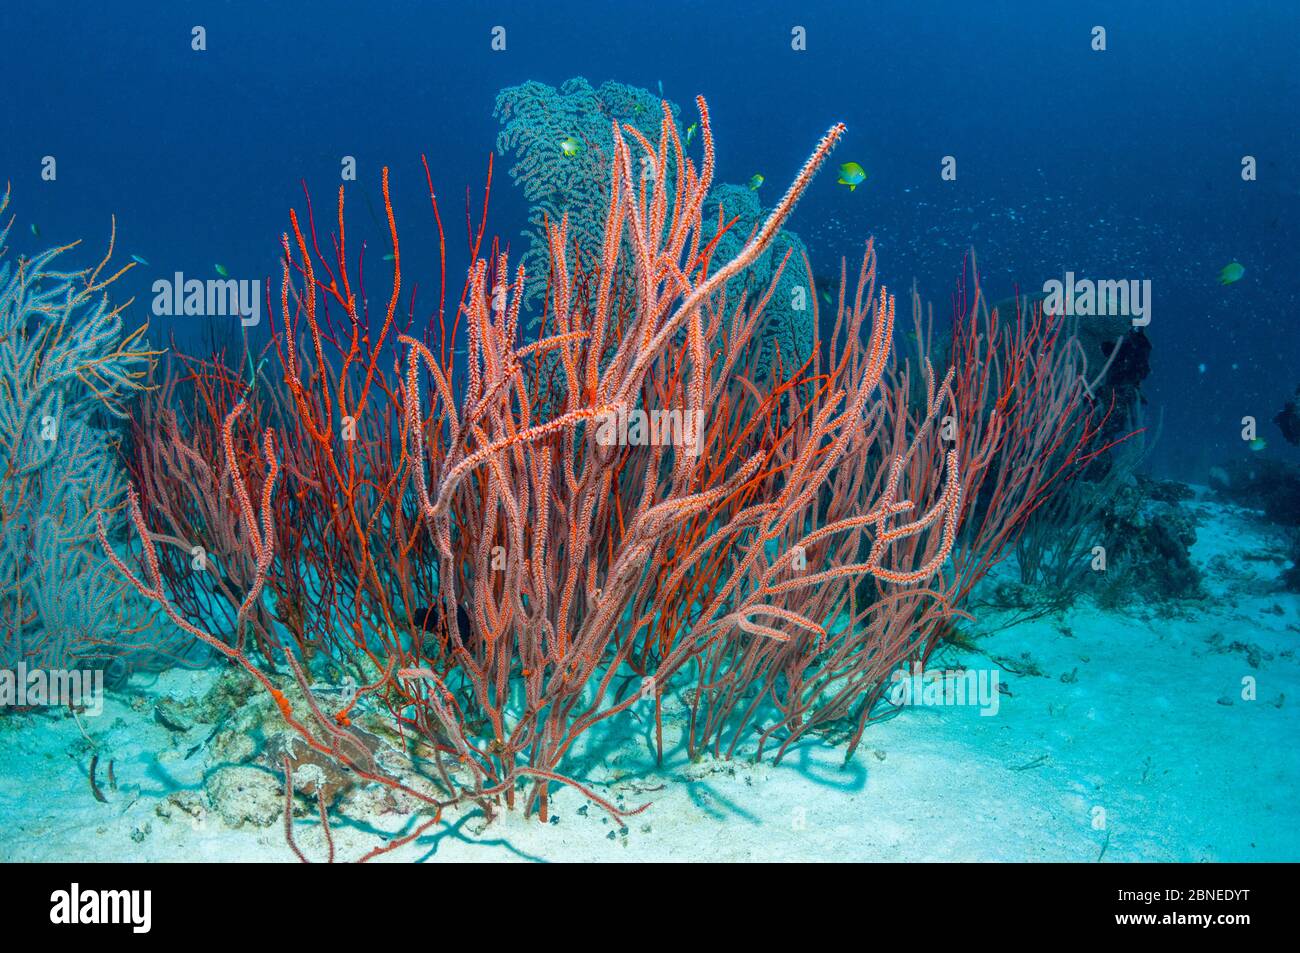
[[233, 747], [168, 714], [244, 795], [182, 804], [314, 772]]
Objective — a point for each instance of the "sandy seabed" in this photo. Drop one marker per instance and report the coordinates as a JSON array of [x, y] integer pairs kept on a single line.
[[1132, 742]]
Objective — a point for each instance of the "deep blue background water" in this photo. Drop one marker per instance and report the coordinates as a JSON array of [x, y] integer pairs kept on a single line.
[[1121, 164]]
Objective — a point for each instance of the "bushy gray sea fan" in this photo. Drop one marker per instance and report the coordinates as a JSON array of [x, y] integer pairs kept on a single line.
[[789, 313], [536, 118], [66, 368]]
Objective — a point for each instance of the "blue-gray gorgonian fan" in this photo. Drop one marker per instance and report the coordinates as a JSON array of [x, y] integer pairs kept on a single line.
[[561, 141], [66, 366]]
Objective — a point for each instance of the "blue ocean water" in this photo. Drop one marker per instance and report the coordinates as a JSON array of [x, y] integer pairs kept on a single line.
[[1119, 164]]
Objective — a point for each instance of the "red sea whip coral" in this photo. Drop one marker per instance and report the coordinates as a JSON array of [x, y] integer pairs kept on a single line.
[[781, 568]]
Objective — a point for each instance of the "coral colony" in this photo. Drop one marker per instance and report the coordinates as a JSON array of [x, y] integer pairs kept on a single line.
[[646, 476], [67, 371]]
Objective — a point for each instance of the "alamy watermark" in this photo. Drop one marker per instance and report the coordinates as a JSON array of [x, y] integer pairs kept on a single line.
[[80, 689], [217, 297], [130, 907], [654, 428], [1087, 298], [939, 688]]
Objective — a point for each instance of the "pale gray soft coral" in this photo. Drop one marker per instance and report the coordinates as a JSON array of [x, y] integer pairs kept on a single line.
[[789, 312], [66, 368], [535, 118]]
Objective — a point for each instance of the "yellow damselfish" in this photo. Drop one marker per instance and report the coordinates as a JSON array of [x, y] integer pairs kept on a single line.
[[852, 175]]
